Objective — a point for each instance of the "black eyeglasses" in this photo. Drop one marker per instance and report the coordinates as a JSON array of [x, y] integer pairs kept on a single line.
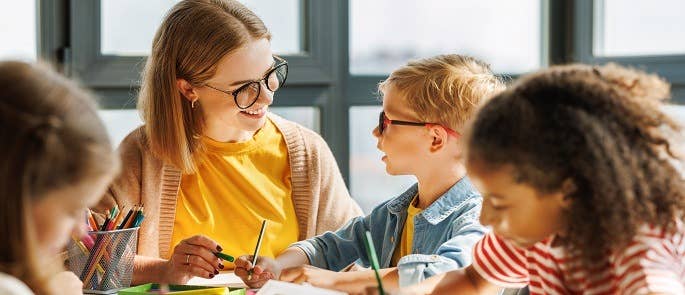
[[384, 121], [247, 94]]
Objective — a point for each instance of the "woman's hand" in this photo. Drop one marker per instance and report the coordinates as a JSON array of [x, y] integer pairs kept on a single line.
[[266, 269], [193, 256]]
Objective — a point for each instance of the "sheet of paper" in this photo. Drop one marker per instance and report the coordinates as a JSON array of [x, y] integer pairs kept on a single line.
[[273, 287], [224, 278]]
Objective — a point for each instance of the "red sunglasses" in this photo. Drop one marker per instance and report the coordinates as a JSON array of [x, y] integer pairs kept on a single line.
[[383, 123]]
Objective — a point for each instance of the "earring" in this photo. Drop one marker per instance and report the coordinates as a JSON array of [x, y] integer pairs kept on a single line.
[[192, 104]]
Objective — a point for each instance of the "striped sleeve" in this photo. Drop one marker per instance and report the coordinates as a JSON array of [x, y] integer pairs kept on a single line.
[[653, 263], [500, 263]]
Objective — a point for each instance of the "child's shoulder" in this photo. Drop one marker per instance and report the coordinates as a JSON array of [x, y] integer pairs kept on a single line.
[[12, 285], [397, 203], [673, 234], [465, 188], [462, 194], [658, 253], [654, 245]]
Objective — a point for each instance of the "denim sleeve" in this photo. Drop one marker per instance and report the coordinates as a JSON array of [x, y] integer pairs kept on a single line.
[[455, 253], [335, 250]]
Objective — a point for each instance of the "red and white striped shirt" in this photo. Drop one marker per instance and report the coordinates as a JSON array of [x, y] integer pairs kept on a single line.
[[653, 262]]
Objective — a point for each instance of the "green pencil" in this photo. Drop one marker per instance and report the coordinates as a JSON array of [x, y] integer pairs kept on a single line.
[[223, 256], [371, 252]]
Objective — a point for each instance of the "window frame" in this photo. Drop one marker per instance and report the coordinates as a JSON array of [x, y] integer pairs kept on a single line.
[[312, 80], [668, 66], [319, 76]]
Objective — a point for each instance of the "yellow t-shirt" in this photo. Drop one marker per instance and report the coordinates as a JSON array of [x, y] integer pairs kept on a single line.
[[407, 241], [236, 187]]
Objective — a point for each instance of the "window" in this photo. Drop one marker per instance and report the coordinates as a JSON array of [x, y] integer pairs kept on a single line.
[[385, 34], [648, 35], [120, 123], [305, 116], [133, 37], [18, 30], [338, 51], [369, 183], [638, 28], [109, 39], [122, 43]]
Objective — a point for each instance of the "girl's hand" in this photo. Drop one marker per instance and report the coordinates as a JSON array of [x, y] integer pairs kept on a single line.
[[66, 282], [193, 256], [266, 269]]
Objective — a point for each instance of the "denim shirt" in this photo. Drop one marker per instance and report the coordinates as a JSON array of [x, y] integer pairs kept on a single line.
[[444, 235]]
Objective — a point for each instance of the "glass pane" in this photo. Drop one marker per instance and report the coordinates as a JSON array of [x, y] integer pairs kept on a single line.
[[133, 37], [385, 34], [305, 116], [18, 30], [120, 123], [676, 112], [635, 27], [369, 183]]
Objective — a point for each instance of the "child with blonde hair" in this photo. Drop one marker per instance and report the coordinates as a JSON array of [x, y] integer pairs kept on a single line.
[[55, 161], [430, 228]]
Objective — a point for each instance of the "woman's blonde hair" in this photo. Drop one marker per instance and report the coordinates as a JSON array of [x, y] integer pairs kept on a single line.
[[52, 139], [193, 37], [444, 89]]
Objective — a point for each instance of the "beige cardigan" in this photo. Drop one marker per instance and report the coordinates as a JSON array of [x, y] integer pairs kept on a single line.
[[320, 198]]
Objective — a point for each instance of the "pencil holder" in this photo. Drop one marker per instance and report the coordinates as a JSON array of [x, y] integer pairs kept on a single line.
[[104, 260]]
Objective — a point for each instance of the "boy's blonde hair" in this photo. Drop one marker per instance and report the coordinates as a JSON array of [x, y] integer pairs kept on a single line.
[[193, 37], [444, 89]]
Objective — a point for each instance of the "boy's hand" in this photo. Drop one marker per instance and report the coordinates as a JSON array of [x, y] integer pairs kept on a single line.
[[313, 275], [266, 269]]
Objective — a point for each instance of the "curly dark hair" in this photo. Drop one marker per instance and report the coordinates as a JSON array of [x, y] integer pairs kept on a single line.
[[602, 129]]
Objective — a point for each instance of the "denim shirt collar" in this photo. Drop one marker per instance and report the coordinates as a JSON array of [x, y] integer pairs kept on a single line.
[[442, 207]]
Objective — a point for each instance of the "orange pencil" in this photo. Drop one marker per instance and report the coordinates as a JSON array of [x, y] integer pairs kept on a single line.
[[91, 221], [133, 215]]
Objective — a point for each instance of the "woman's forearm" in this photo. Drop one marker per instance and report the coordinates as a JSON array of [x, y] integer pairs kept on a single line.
[[148, 269]]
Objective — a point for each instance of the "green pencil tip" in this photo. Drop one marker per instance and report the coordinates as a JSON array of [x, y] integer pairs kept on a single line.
[[223, 256]]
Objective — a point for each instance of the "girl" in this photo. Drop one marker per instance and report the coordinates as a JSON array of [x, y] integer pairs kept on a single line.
[[56, 161], [211, 162], [576, 170]]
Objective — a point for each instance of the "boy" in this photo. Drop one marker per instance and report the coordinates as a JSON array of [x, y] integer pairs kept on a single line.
[[430, 228]]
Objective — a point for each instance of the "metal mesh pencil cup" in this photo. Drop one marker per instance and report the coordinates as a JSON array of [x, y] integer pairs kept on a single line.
[[107, 265]]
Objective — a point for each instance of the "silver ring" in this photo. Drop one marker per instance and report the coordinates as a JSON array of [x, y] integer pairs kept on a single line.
[[187, 258]]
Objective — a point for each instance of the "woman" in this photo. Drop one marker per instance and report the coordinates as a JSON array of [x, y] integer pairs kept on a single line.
[[211, 162]]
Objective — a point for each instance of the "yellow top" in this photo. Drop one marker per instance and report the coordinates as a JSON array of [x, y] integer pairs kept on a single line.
[[407, 241], [236, 187]]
